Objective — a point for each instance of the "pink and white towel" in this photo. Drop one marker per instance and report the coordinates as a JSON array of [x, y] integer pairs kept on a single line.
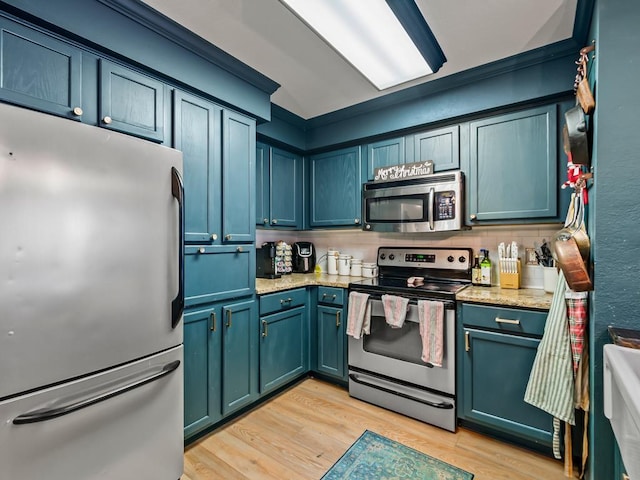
[[431, 316], [359, 317], [395, 310]]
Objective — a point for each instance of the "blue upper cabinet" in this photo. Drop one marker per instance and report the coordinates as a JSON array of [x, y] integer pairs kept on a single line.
[[131, 102], [335, 188], [384, 153], [513, 166], [238, 177], [38, 71], [441, 145], [197, 127], [279, 183]]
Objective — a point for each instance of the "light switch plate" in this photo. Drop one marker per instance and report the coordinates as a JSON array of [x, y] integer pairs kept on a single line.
[[531, 256]]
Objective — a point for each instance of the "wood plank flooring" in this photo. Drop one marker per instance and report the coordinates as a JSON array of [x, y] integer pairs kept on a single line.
[[303, 431]]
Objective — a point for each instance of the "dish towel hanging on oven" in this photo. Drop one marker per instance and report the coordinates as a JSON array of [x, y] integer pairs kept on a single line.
[[359, 317], [431, 317], [395, 309]]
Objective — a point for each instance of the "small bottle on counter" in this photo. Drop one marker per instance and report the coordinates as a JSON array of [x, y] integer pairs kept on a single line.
[[485, 269], [476, 271]]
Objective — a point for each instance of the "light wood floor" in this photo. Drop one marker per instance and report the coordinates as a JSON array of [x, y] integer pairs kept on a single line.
[[301, 433]]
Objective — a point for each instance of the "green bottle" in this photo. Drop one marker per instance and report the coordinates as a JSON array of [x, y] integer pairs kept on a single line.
[[485, 269], [476, 271]]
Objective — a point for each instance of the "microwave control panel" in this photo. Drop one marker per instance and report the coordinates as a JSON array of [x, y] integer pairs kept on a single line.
[[445, 205]]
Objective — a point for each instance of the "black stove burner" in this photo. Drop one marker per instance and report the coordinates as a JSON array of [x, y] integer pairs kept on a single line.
[[430, 289]]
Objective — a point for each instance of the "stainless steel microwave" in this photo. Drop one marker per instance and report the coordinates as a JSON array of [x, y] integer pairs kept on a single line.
[[433, 203]]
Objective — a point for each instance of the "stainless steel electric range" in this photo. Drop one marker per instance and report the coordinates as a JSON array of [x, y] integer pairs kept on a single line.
[[386, 366]]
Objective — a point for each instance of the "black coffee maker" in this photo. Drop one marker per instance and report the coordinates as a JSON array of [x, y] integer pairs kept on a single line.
[[266, 261], [304, 257]]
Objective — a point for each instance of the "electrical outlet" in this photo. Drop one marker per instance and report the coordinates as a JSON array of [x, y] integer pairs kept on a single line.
[[531, 256]]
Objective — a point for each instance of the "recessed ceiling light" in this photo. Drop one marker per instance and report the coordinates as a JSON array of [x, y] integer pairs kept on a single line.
[[369, 36]]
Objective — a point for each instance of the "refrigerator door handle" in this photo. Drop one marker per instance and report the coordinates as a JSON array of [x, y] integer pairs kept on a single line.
[[177, 304], [45, 414]]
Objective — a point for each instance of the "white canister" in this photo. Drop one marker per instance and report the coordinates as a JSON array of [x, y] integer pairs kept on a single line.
[[369, 270], [549, 279], [356, 267], [332, 261], [344, 264]]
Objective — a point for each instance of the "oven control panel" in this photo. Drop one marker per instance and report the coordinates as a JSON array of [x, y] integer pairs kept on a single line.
[[440, 258]]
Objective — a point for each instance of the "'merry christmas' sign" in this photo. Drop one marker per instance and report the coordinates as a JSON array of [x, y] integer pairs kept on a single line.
[[405, 170]]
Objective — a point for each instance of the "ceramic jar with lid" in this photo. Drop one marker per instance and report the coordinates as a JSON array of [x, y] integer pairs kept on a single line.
[[356, 267]]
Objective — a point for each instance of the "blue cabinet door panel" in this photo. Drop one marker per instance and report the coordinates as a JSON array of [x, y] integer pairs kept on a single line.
[[238, 177], [496, 371], [131, 102], [384, 154], [335, 188], [331, 341], [196, 132], [39, 71], [441, 145], [513, 165], [217, 272], [239, 355], [262, 184], [202, 363], [283, 347], [285, 197]]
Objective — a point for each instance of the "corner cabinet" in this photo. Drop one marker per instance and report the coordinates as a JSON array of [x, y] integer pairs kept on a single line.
[[496, 350], [218, 148], [220, 362], [335, 188], [513, 166], [279, 185]]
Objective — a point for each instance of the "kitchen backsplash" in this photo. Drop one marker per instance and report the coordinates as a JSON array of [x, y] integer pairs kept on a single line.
[[365, 244]]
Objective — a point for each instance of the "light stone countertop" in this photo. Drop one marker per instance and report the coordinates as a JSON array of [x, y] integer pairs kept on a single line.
[[524, 297]]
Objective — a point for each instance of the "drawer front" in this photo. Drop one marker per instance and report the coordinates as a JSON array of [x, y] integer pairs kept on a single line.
[[215, 273], [331, 295], [508, 320], [276, 302]]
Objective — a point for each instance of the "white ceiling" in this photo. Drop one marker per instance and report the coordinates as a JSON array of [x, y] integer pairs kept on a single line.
[[315, 80]]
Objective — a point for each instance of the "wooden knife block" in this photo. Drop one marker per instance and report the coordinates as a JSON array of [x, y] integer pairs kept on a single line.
[[509, 279]]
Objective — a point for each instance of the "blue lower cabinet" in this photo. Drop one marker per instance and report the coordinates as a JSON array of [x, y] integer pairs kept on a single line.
[[202, 364], [284, 347], [239, 355], [495, 373], [331, 339]]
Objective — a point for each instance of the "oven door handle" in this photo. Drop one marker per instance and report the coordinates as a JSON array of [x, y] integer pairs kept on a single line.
[[448, 304], [443, 405]]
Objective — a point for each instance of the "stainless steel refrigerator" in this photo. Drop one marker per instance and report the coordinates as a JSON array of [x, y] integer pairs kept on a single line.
[[91, 299]]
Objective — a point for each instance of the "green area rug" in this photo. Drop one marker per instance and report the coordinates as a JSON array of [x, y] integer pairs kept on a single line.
[[374, 457]]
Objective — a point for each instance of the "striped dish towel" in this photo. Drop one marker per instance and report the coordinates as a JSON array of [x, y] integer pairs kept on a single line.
[[431, 316], [395, 309], [359, 317]]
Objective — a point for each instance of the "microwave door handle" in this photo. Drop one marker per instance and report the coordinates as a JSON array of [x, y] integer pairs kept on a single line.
[[431, 199]]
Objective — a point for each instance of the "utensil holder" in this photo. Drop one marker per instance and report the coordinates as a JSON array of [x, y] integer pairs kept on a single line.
[[508, 278]]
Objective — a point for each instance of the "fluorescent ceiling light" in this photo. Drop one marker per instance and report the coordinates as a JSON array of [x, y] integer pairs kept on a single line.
[[368, 35]]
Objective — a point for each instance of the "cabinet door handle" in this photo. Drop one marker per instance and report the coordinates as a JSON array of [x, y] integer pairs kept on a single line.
[[338, 318], [467, 346], [239, 250], [274, 221], [201, 250], [213, 321], [227, 237], [506, 320], [473, 217], [265, 328], [333, 297], [356, 221], [214, 236], [265, 220], [77, 111], [106, 120], [285, 300], [228, 318]]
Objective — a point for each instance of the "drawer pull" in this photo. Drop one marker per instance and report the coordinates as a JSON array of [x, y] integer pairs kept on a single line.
[[338, 318], [213, 321], [228, 318], [467, 346], [285, 300], [265, 328], [325, 295], [506, 320]]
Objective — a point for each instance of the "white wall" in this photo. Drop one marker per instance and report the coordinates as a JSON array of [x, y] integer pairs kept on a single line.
[[364, 245]]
